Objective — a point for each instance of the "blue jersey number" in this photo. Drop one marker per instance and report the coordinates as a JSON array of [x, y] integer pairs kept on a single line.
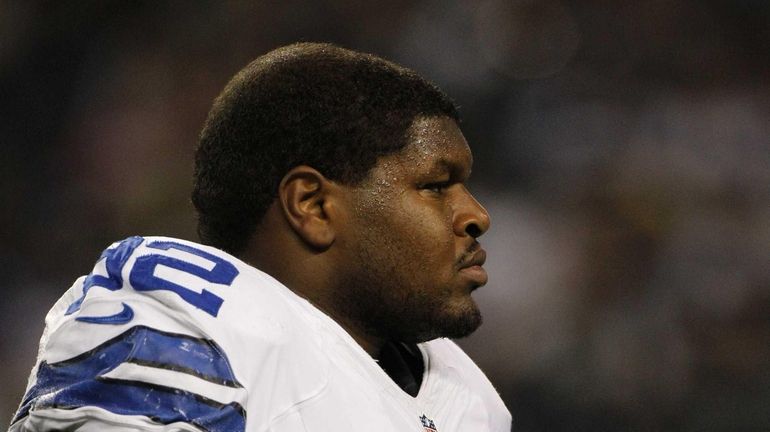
[[142, 274], [143, 279]]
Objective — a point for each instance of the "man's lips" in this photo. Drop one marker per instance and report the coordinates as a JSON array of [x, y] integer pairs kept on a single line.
[[471, 267], [475, 259]]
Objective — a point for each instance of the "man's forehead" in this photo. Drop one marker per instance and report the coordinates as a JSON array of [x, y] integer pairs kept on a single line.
[[435, 145], [434, 128], [436, 142]]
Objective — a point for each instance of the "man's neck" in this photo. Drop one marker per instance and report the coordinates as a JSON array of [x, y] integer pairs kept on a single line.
[[370, 343]]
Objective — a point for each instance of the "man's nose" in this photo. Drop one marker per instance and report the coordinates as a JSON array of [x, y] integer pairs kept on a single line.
[[471, 218]]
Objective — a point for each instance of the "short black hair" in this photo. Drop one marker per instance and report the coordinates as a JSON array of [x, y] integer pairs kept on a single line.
[[317, 104]]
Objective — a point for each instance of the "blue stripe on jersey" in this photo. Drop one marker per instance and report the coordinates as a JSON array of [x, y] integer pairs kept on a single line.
[[200, 357], [161, 404], [77, 382]]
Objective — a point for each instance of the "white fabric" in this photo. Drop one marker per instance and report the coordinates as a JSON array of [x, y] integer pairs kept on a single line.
[[297, 369]]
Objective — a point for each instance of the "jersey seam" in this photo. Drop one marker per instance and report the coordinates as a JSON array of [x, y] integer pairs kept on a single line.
[[296, 407]]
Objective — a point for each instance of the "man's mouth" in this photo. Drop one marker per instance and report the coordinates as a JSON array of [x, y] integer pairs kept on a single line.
[[471, 266]]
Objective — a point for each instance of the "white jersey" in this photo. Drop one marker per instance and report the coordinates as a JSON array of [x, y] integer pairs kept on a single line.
[[167, 334]]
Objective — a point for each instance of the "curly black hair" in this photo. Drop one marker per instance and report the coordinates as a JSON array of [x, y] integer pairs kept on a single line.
[[316, 104]]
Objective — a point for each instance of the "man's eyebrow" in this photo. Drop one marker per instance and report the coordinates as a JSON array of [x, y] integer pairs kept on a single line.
[[454, 167]]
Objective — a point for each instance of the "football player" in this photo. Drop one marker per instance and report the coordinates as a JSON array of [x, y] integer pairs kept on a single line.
[[339, 251]]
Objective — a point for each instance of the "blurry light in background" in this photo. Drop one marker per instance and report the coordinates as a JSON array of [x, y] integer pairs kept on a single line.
[[526, 38]]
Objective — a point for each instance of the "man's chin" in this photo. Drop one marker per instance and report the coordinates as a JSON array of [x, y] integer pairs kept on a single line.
[[463, 325], [454, 325]]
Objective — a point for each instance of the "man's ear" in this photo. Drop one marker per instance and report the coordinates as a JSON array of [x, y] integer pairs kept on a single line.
[[303, 194]]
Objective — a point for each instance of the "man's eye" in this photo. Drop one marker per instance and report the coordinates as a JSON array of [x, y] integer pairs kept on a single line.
[[437, 187]]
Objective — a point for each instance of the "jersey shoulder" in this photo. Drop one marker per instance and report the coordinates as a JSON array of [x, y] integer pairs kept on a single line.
[[174, 286], [172, 332], [444, 354]]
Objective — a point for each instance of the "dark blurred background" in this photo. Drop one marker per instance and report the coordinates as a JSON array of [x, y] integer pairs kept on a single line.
[[622, 149]]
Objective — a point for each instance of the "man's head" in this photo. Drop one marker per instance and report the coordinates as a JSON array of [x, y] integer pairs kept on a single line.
[[410, 242], [342, 175], [315, 104]]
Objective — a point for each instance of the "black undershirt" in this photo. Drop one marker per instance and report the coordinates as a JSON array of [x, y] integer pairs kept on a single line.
[[403, 364]]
